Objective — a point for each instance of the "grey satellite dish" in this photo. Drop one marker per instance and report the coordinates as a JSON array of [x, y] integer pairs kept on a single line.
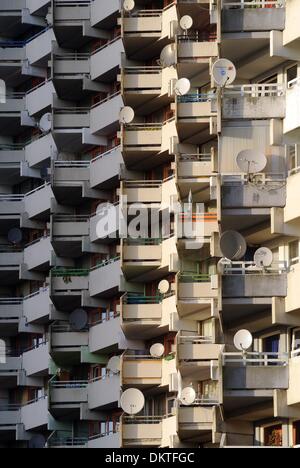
[[188, 396], [164, 287], [222, 264], [45, 123], [263, 257], [182, 87], [168, 56], [223, 72], [243, 340], [78, 319], [126, 115], [157, 350], [38, 441], [233, 245], [251, 161], [15, 236], [186, 22], [132, 401], [128, 5], [114, 364]]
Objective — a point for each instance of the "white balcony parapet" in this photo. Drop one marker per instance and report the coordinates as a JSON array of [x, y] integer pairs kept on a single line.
[[255, 90]]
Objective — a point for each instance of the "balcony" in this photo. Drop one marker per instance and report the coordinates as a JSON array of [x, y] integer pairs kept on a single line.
[[195, 422], [34, 415], [10, 314], [197, 47], [238, 192], [140, 191], [10, 417], [143, 315], [10, 260], [140, 84], [142, 24], [254, 101], [11, 205], [104, 14], [70, 181], [39, 98], [104, 393], [140, 141], [40, 151], [70, 66], [38, 48], [67, 13], [141, 256], [10, 113], [10, 370], [66, 344], [245, 279], [38, 307], [35, 361], [106, 337], [106, 278], [37, 254], [105, 440], [106, 60], [197, 348], [105, 168], [196, 166], [69, 233], [239, 16], [66, 397], [197, 294], [105, 115], [141, 431], [38, 202], [141, 371], [67, 286], [246, 372], [100, 229]]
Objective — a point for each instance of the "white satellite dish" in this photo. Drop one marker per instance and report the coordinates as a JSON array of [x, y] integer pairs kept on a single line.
[[233, 245], [126, 115], [263, 257], [164, 287], [78, 319], [132, 401], [128, 5], [186, 22], [157, 350], [222, 264], [45, 123], [114, 364], [188, 396], [223, 72], [168, 56], [251, 161], [182, 87], [15, 236], [243, 340]]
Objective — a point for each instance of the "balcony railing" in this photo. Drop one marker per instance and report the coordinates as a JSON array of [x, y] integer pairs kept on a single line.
[[255, 90], [67, 272], [197, 157], [195, 98], [194, 278], [256, 359], [70, 384], [197, 36], [243, 4], [193, 339], [248, 268], [136, 298]]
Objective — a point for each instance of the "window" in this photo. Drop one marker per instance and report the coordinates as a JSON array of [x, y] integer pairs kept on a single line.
[[296, 341], [291, 73], [273, 436], [296, 432], [207, 328], [291, 155], [294, 252]]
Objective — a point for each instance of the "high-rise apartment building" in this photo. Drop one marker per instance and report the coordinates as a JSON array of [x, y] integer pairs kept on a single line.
[[111, 105]]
